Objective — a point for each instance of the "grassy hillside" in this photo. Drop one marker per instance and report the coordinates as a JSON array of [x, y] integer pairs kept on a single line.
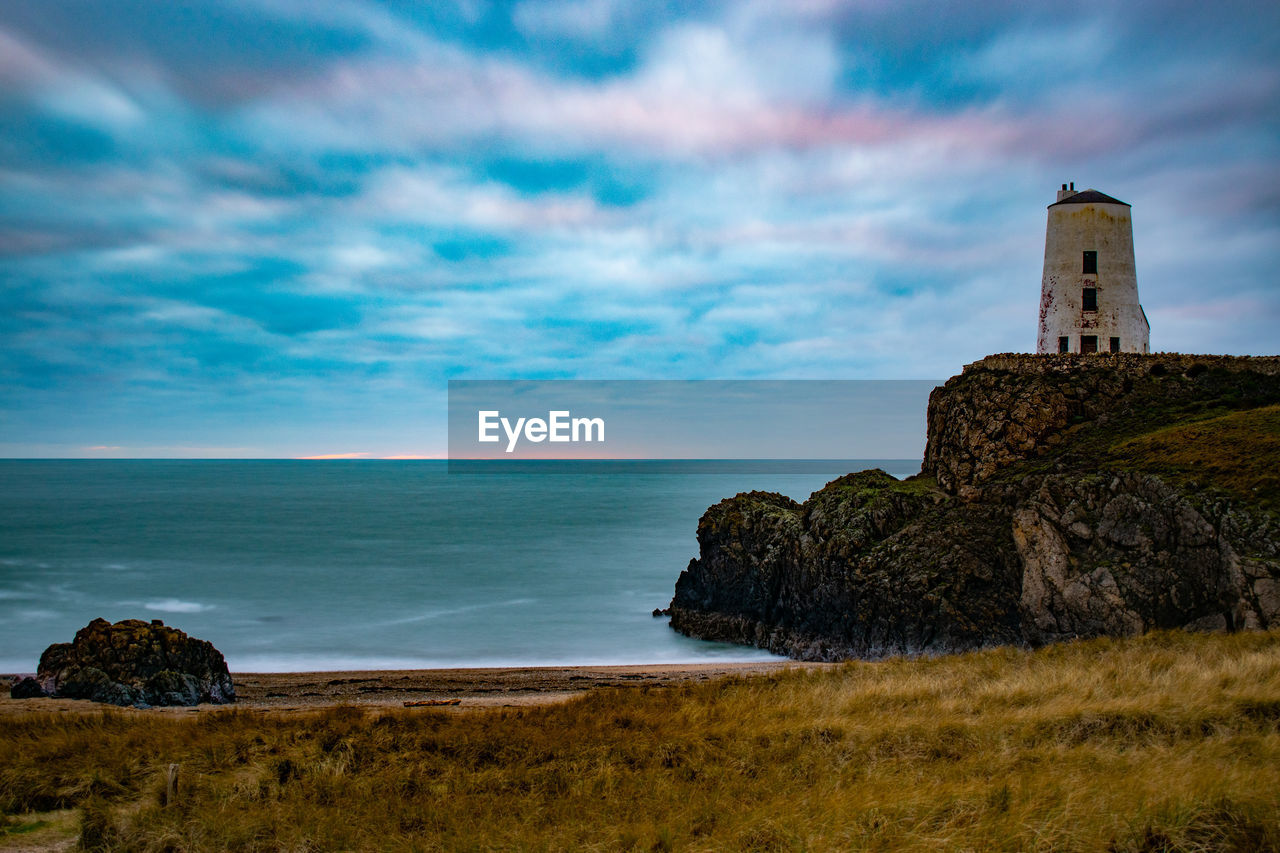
[[1165, 742], [1212, 427], [1237, 452]]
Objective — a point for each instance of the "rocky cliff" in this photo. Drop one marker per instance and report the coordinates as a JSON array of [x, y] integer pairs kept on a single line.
[[1061, 496]]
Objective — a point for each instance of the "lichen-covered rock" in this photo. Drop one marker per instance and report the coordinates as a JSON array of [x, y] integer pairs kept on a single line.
[[135, 663], [866, 567], [748, 545]]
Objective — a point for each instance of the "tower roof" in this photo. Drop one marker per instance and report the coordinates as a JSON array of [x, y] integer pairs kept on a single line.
[[1090, 197]]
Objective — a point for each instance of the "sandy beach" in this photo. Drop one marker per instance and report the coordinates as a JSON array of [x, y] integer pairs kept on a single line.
[[287, 692]]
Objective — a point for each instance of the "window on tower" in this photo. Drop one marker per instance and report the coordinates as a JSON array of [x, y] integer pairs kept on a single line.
[[1064, 344], [1090, 299], [1115, 345], [1090, 263], [1088, 343]]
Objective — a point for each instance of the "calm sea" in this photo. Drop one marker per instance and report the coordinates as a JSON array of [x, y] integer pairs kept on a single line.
[[361, 565]]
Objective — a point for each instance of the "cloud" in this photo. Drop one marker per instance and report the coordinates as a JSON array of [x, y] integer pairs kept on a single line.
[[575, 19], [281, 228], [21, 64], [445, 197], [61, 89]]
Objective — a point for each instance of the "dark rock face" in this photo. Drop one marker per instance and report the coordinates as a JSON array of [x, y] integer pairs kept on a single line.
[[1121, 557], [1015, 532], [135, 663], [861, 569]]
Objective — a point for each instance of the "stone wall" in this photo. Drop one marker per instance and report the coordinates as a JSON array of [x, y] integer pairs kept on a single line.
[[1126, 364]]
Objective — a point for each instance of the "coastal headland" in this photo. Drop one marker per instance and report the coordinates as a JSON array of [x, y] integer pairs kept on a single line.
[[1061, 496]]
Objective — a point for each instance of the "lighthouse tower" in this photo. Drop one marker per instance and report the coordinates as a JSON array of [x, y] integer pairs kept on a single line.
[[1089, 291]]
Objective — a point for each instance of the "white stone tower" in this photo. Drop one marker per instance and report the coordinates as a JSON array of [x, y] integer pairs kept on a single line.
[[1089, 291]]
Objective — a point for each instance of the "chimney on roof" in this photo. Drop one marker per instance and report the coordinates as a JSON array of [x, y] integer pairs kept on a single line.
[[1064, 192]]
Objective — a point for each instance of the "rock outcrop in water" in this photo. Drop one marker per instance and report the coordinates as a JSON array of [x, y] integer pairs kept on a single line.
[[1061, 496], [132, 663]]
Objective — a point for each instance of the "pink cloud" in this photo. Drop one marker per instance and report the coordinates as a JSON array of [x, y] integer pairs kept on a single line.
[[23, 65], [677, 104], [363, 454]]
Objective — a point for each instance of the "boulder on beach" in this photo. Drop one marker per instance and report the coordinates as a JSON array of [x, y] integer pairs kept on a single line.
[[133, 663], [26, 688]]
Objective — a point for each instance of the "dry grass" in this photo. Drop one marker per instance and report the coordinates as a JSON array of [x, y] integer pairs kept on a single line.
[[1165, 742], [1238, 452]]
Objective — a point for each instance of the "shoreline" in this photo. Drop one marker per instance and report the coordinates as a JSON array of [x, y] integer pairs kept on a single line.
[[388, 689]]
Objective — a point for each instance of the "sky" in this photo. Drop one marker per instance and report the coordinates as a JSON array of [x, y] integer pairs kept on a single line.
[[277, 228], [751, 419]]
